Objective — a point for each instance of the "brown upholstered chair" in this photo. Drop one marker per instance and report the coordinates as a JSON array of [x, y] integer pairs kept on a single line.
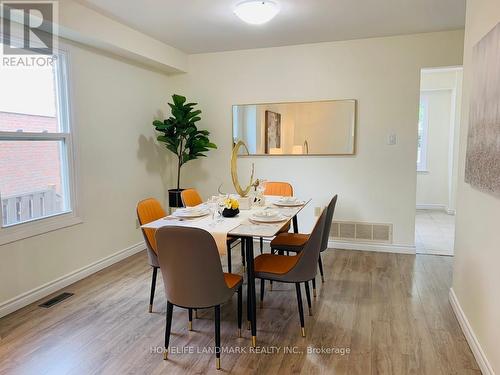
[[191, 198], [300, 268], [149, 210], [295, 242], [196, 284]]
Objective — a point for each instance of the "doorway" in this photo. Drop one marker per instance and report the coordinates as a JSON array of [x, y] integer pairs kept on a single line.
[[437, 159]]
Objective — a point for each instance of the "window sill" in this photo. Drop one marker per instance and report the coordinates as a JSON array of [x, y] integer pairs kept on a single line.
[[38, 227]]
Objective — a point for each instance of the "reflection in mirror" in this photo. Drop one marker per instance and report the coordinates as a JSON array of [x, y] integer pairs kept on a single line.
[[307, 128]]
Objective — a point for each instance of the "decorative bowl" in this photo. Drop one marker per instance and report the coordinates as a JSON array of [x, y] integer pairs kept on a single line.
[[229, 212]]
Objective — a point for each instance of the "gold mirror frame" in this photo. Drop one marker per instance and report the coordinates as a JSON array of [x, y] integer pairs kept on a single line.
[[234, 170]]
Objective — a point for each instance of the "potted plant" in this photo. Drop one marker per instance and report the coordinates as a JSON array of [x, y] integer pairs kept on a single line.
[[181, 136]]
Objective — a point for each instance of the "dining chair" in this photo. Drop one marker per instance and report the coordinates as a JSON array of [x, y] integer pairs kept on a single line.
[[149, 210], [198, 284], [295, 242], [283, 189], [191, 198], [297, 269]]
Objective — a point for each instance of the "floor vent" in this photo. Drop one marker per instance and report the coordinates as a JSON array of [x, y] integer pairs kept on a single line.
[[364, 232], [54, 301]]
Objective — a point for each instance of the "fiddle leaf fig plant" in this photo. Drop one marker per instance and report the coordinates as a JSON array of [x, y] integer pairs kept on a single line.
[[181, 135]]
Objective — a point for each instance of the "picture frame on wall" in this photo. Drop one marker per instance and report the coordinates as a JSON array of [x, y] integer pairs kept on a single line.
[[482, 168], [272, 131]]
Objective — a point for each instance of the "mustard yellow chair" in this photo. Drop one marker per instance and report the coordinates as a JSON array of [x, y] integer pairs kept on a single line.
[[191, 198], [149, 210]]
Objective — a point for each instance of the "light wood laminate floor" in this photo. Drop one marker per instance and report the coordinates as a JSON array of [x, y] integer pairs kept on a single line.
[[390, 310]]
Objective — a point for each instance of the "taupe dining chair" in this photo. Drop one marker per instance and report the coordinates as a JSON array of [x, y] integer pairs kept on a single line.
[[191, 198], [193, 277], [300, 268], [295, 242]]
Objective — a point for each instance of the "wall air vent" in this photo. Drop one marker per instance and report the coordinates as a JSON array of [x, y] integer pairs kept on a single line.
[[361, 232]]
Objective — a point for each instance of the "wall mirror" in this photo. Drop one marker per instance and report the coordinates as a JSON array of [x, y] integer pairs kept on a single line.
[[302, 128]]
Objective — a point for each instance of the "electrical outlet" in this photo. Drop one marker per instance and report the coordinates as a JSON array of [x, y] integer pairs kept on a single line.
[[392, 139]]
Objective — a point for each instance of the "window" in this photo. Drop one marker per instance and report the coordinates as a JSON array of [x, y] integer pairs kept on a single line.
[[36, 153], [423, 128]]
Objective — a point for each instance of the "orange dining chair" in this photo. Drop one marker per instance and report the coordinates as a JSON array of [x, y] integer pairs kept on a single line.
[[295, 242], [195, 285], [191, 198], [297, 269], [149, 210], [282, 189]]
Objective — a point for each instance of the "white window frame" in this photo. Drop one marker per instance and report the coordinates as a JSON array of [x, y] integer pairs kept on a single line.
[[71, 217], [422, 165]]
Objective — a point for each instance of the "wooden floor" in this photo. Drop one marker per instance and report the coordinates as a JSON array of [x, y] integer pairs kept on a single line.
[[390, 311]]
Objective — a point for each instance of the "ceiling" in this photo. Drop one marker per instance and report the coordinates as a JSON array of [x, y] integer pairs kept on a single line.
[[198, 26]]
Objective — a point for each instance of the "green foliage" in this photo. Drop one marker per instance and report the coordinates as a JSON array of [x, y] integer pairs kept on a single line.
[[180, 134]]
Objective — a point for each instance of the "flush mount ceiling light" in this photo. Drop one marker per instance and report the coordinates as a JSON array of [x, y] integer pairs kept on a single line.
[[256, 12]]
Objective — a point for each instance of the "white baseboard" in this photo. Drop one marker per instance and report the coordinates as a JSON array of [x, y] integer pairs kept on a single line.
[[441, 207], [44, 290], [470, 336], [364, 246]]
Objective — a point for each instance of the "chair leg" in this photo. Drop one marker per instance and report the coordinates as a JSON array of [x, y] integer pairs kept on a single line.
[[301, 309], [168, 327], [242, 244], [217, 337], [195, 313], [190, 323], [153, 287], [261, 245], [314, 286], [240, 303], [262, 286], [271, 285], [228, 257], [308, 296], [320, 263]]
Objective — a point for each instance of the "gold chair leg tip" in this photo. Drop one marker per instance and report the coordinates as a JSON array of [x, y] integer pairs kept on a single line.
[[303, 331], [217, 363], [254, 341], [190, 326], [150, 308], [314, 292], [165, 355]]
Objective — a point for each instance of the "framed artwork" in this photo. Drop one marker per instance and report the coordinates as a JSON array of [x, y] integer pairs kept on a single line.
[[272, 131], [482, 168]]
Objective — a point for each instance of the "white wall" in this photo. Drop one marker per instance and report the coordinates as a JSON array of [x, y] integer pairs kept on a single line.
[[442, 90], [476, 277], [114, 104], [375, 185]]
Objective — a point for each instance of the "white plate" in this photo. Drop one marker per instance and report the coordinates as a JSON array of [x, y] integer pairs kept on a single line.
[[191, 212], [269, 219], [285, 203], [266, 214]]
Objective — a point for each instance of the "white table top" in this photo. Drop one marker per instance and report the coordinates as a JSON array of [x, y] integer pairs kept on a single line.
[[235, 226]]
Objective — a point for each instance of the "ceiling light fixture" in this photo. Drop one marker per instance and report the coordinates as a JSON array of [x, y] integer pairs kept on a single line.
[[256, 12]]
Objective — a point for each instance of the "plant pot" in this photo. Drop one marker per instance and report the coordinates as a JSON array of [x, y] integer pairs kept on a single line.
[[174, 198], [229, 212]]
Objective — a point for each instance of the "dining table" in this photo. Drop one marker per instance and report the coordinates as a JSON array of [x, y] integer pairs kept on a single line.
[[246, 229]]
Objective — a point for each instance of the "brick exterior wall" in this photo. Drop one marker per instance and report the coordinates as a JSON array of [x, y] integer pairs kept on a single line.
[[28, 166]]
